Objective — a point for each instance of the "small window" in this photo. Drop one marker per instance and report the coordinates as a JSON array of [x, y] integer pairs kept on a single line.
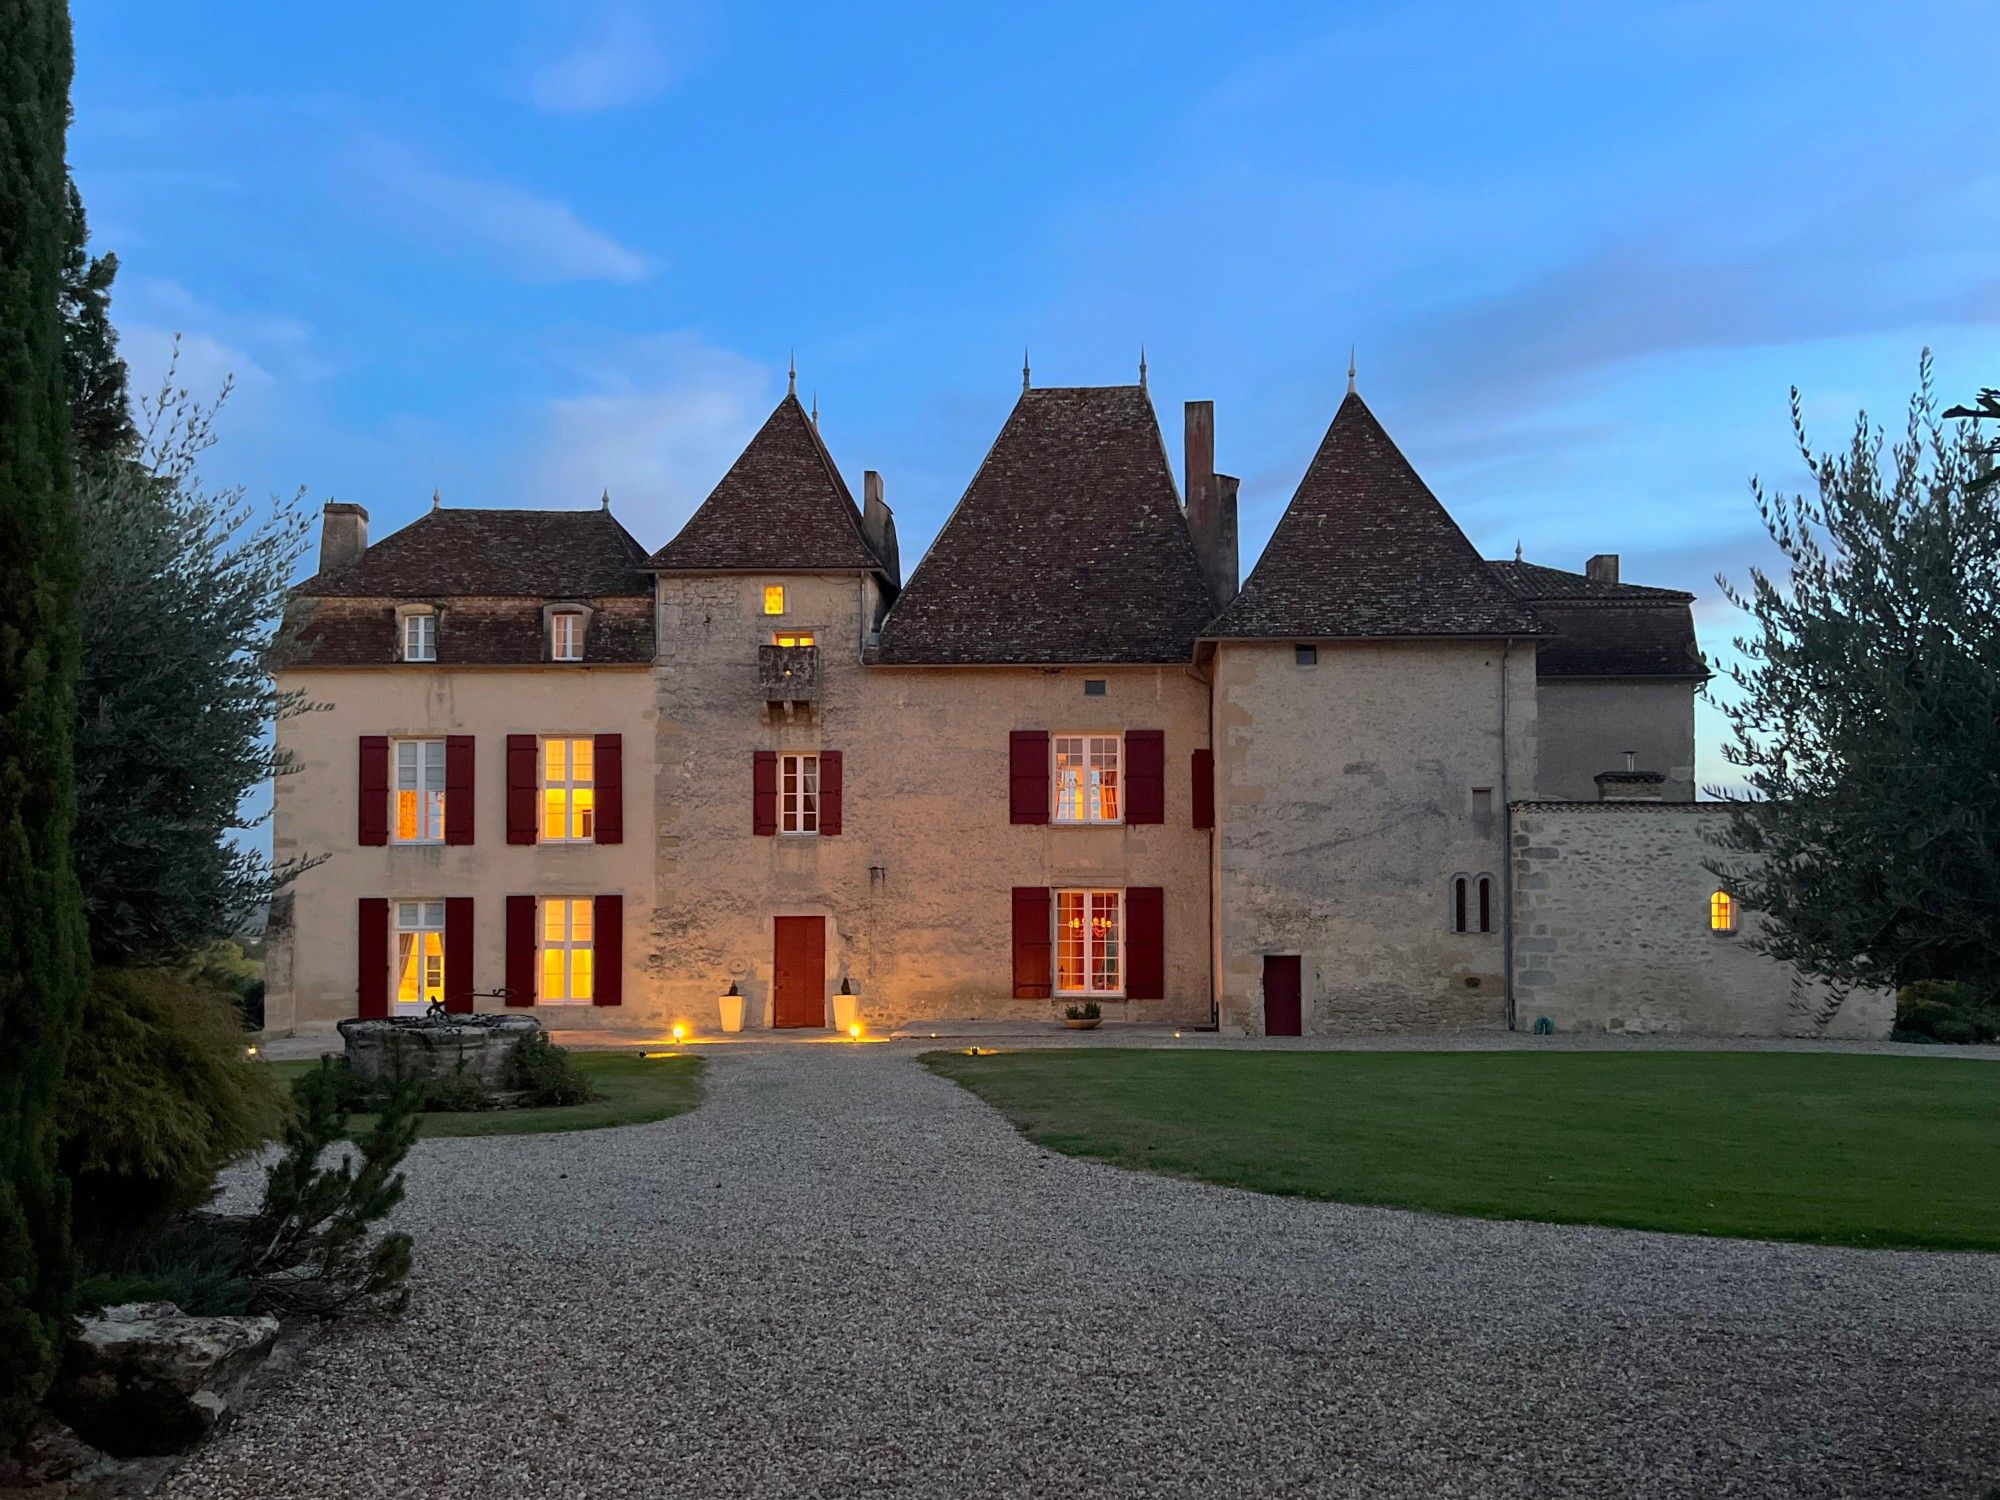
[[1093, 687], [1722, 914], [420, 637], [1305, 656], [1472, 903], [794, 638], [1090, 958], [419, 791], [569, 805], [798, 794], [419, 955], [568, 949], [1086, 778], [566, 636], [774, 598], [1482, 802]]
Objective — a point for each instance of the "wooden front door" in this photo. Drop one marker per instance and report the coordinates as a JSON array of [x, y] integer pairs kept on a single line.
[[1282, 1009], [798, 964]]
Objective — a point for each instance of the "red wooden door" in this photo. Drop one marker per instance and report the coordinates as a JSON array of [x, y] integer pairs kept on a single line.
[[1282, 1010], [798, 962]]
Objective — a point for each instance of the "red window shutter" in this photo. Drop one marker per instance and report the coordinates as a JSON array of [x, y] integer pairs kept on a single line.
[[372, 804], [1028, 776], [1145, 776], [764, 792], [371, 959], [610, 787], [1202, 769], [1032, 938], [457, 951], [524, 785], [1145, 942], [829, 793], [520, 950], [607, 957], [458, 762]]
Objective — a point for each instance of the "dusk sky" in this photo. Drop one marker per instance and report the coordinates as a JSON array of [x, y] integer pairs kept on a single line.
[[522, 254]]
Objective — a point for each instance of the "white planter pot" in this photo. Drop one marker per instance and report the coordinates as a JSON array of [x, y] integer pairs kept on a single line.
[[846, 1011], [731, 1007]]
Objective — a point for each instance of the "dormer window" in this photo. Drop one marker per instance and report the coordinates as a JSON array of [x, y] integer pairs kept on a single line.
[[420, 635], [566, 636]]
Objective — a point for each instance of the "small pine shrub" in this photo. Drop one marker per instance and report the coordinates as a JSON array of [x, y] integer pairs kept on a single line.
[[159, 1094], [545, 1074]]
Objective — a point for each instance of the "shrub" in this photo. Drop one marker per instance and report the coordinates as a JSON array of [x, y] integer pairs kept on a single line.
[[545, 1073], [158, 1096], [1939, 1010], [1088, 1011]]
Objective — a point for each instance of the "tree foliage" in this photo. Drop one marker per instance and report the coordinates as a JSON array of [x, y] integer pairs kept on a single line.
[[43, 959], [100, 412], [1866, 711], [1985, 407]]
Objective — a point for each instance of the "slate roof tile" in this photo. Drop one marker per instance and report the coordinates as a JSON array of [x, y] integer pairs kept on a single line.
[[459, 552]]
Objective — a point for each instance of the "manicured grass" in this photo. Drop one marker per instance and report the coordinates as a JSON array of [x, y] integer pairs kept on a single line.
[[631, 1090], [1854, 1150]]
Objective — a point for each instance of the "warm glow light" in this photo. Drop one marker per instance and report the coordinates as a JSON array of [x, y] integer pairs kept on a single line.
[[774, 598], [650, 1056], [855, 1031], [680, 1031], [1722, 912], [249, 1051], [1177, 1036]]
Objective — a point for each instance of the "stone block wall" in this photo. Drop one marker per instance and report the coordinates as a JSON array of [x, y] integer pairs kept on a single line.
[[1611, 932]]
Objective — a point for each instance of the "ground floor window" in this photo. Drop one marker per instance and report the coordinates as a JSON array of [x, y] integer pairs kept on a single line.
[[1089, 950], [567, 950], [419, 955]]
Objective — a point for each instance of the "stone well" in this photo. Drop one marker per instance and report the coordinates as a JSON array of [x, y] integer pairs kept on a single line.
[[381, 1049]]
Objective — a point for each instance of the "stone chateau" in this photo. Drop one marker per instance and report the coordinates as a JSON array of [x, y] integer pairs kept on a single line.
[[1379, 784]]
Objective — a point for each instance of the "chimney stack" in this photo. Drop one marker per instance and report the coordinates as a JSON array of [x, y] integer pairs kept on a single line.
[[1211, 505], [878, 524], [1602, 568], [343, 534], [1630, 786]]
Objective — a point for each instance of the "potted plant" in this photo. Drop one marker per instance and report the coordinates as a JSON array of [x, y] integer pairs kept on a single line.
[[846, 1007], [730, 1002], [1083, 1017]]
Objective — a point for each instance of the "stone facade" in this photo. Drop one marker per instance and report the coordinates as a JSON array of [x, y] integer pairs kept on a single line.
[[1612, 932], [1586, 726]]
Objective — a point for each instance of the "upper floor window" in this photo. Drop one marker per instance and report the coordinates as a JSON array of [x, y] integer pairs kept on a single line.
[[1722, 914], [794, 638], [798, 794], [1472, 903], [566, 635], [1086, 778], [1090, 957], [569, 797], [419, 791], [1305, 655], [419, 954], [420, 636], [568, 951], [774, 598]]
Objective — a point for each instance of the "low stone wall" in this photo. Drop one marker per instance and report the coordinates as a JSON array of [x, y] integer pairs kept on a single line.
[[381, 1050], [1611, 932]]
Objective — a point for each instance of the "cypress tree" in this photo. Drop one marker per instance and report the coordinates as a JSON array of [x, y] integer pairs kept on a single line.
[[42, 947]]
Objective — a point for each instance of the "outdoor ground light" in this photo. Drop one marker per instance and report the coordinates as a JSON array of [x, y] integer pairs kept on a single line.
[[680, 1032], [855, 1031]]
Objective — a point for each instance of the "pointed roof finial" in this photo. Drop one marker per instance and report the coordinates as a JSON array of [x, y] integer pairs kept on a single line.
[[1350, 369], [437, 499], [792, 376], [1024, 369], [815, 411], [606, 500], [1517, 552], [1142, 367]]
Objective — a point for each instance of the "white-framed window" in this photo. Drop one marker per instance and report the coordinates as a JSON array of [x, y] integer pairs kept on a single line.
[[419, 955], [569, 798], [419, 792], [1085, 782], [798, 794], [568, 950], [420, 636], [566, 635], [1472, 903], [774, 598], [1089, 940]]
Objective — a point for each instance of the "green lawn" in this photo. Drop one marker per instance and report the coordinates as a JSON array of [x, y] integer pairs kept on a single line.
[[631, 1090], [1859, 1150]]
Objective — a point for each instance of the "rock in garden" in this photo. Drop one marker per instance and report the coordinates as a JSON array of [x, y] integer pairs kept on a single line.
[[147, 1378]]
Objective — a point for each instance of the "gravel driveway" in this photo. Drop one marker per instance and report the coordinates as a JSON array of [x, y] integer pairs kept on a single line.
[[844, 1276]]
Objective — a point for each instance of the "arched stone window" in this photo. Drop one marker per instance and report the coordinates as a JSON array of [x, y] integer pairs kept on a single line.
[[1722, 914]]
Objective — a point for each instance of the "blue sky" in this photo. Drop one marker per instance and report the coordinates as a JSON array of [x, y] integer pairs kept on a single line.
[[524, 253]]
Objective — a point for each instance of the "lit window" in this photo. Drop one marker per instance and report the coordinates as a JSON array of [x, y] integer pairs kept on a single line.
[[568, 798], [1722, 913], [1089, 958], [566, 636], [794, 638], [1086, 778], [419, 791], [774, 598], [420, 637], [798, 794], [1472, 903], [567, 951], [419, 954]]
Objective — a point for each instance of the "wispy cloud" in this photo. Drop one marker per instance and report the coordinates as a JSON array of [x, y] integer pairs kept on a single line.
[[620, 59], [537, 238]]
